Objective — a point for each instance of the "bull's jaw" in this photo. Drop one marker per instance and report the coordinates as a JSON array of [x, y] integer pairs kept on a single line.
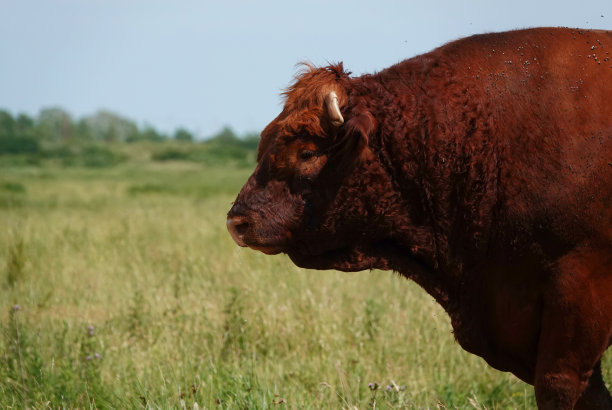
[[348, 259]]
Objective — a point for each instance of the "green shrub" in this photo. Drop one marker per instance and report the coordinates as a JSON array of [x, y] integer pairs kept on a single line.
[[11, 194], [18, 145], [14, 187], [96, 156], [86, 155], [170, 154], [149, 189]]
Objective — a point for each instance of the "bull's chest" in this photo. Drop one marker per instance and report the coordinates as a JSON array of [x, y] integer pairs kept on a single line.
[[501, 325]]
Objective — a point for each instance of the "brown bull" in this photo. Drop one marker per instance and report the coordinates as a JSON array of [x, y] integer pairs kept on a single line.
[[483, 171]]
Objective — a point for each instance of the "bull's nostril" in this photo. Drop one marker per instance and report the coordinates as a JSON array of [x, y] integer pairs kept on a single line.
[[237, 227], [241, 228]]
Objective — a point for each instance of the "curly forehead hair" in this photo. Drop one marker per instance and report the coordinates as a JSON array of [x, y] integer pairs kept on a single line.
[[312, 84], [304, 101]]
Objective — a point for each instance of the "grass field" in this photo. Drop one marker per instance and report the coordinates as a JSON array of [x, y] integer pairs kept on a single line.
[[120, 288]]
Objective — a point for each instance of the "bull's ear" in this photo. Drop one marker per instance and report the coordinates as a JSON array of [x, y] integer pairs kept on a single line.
[[361, 122], [333, 109]]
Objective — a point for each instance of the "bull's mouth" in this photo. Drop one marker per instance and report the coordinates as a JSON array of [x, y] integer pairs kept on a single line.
[[268, 250]]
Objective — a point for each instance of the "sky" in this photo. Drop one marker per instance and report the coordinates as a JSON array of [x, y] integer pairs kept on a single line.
[[203, 65]]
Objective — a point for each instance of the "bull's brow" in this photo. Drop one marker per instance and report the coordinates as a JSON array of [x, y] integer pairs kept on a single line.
[[302, 135]]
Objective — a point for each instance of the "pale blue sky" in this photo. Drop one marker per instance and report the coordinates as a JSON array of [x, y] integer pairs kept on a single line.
[[206, 64]]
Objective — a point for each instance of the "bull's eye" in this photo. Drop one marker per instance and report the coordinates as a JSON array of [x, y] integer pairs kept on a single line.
[[307, 154]]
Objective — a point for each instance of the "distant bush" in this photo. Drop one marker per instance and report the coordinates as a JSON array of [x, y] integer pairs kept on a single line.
[[183, 135], [227, 138], [228, 151], [14, 187], [99, 156], [149, 189], [209, 152], [11, 195], [251, 141], [64, 153], [148, 134], [86, 155], [18, 145], [170, 154]]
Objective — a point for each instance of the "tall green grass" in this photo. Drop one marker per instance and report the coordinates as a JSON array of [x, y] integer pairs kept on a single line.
[[121, 288]]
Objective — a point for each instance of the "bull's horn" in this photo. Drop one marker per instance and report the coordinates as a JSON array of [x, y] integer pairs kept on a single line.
[[333, 110]]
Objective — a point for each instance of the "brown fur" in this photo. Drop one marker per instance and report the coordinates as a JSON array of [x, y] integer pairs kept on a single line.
[[481, 170]]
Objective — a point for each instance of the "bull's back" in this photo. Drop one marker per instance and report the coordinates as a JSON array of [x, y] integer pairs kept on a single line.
[[548, 94]]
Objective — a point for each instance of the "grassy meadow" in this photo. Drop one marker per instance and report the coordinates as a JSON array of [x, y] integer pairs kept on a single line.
[[120, 288]]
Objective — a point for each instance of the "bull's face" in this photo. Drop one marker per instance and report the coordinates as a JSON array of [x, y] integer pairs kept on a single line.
[[308, 196], [279, 199]]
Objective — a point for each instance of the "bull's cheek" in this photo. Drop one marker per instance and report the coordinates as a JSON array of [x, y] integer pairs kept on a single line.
[[276, 226]]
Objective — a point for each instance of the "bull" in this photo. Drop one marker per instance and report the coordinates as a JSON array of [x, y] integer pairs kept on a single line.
[[482, 170]]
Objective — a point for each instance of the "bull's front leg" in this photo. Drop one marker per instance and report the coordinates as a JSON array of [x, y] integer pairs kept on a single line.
[[576, 330], [563, 389], [596, 395]]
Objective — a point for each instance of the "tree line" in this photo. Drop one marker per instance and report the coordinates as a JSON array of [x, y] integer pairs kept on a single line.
[[93, 140]]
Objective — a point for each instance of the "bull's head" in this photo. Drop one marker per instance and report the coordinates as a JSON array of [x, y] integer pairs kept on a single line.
[[318, 193]]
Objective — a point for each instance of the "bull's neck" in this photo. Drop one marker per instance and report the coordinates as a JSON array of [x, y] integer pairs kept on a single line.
[[433, 175]]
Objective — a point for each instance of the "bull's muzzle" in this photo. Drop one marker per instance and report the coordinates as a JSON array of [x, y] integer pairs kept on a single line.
[[237, 225], [243, 225]]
